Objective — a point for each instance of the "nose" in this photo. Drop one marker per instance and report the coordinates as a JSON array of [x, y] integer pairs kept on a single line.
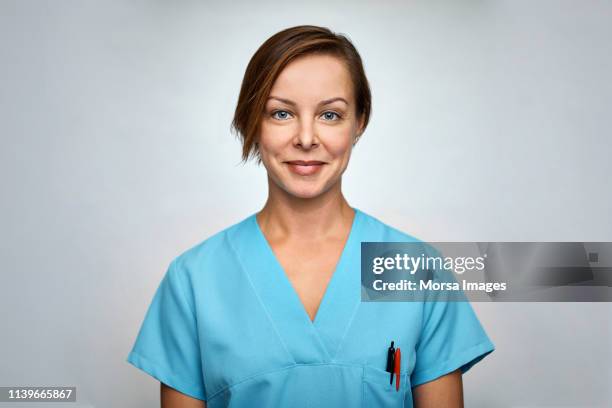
[[306, 137]]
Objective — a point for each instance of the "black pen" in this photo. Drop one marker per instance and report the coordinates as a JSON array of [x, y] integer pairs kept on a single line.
[[390, 360]]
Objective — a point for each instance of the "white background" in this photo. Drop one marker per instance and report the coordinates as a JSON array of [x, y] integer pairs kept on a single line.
[[490, 123]]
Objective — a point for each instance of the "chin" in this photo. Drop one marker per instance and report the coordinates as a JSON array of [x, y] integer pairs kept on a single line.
[[305, 190]]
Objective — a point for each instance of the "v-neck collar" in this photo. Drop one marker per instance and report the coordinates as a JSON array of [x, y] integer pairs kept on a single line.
[[306, 339]]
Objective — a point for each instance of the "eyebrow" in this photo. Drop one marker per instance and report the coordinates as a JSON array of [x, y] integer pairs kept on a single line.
[[322, 103]]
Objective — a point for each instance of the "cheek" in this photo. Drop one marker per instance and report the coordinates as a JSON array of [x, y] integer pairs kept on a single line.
[[272, 140], [339, 143]]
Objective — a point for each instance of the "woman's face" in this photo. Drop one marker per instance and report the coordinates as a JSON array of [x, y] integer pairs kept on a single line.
[[309, 126]]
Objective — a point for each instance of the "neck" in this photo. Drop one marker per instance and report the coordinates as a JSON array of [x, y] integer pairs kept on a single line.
[[285, 215]]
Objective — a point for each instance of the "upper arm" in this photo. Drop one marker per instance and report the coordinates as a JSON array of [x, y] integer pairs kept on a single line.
[[171, 398], [451, 335], [445, 391], [168, 345]]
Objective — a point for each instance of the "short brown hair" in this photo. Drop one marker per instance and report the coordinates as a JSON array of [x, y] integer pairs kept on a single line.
[[272, 57]]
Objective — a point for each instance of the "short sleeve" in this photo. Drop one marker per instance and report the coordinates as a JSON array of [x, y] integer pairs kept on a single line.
[[451, 338], [167, 345]]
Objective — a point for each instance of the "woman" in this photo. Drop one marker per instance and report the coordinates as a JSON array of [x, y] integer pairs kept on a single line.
[[267, 312]]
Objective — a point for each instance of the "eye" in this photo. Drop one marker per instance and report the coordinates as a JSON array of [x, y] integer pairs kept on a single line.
[[330, 115], [281, 115]]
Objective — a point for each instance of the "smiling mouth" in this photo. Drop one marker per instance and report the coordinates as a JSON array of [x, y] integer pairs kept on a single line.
[[305, 163], [305, 167]]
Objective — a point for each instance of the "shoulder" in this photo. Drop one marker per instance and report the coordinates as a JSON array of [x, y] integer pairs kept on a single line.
[[376, 230], [209, 250]]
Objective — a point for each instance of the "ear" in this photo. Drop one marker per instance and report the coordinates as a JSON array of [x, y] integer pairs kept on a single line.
[[360, 128]]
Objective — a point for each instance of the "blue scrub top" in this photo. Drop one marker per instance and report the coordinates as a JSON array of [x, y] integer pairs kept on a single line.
[[226, 326]]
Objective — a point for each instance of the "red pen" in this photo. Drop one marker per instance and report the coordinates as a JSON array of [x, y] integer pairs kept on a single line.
[[398, 358]]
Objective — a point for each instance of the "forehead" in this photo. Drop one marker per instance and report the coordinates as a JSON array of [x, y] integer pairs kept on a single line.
[[313, 78]]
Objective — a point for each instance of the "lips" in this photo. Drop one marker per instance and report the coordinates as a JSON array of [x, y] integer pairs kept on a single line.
[[306, 163], [305, 167]]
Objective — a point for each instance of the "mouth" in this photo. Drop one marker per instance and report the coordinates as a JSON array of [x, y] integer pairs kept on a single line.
[[305, 167], [305, 163]]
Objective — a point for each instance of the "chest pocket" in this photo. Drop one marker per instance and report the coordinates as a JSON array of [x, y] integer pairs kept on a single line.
[[378, 392]]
